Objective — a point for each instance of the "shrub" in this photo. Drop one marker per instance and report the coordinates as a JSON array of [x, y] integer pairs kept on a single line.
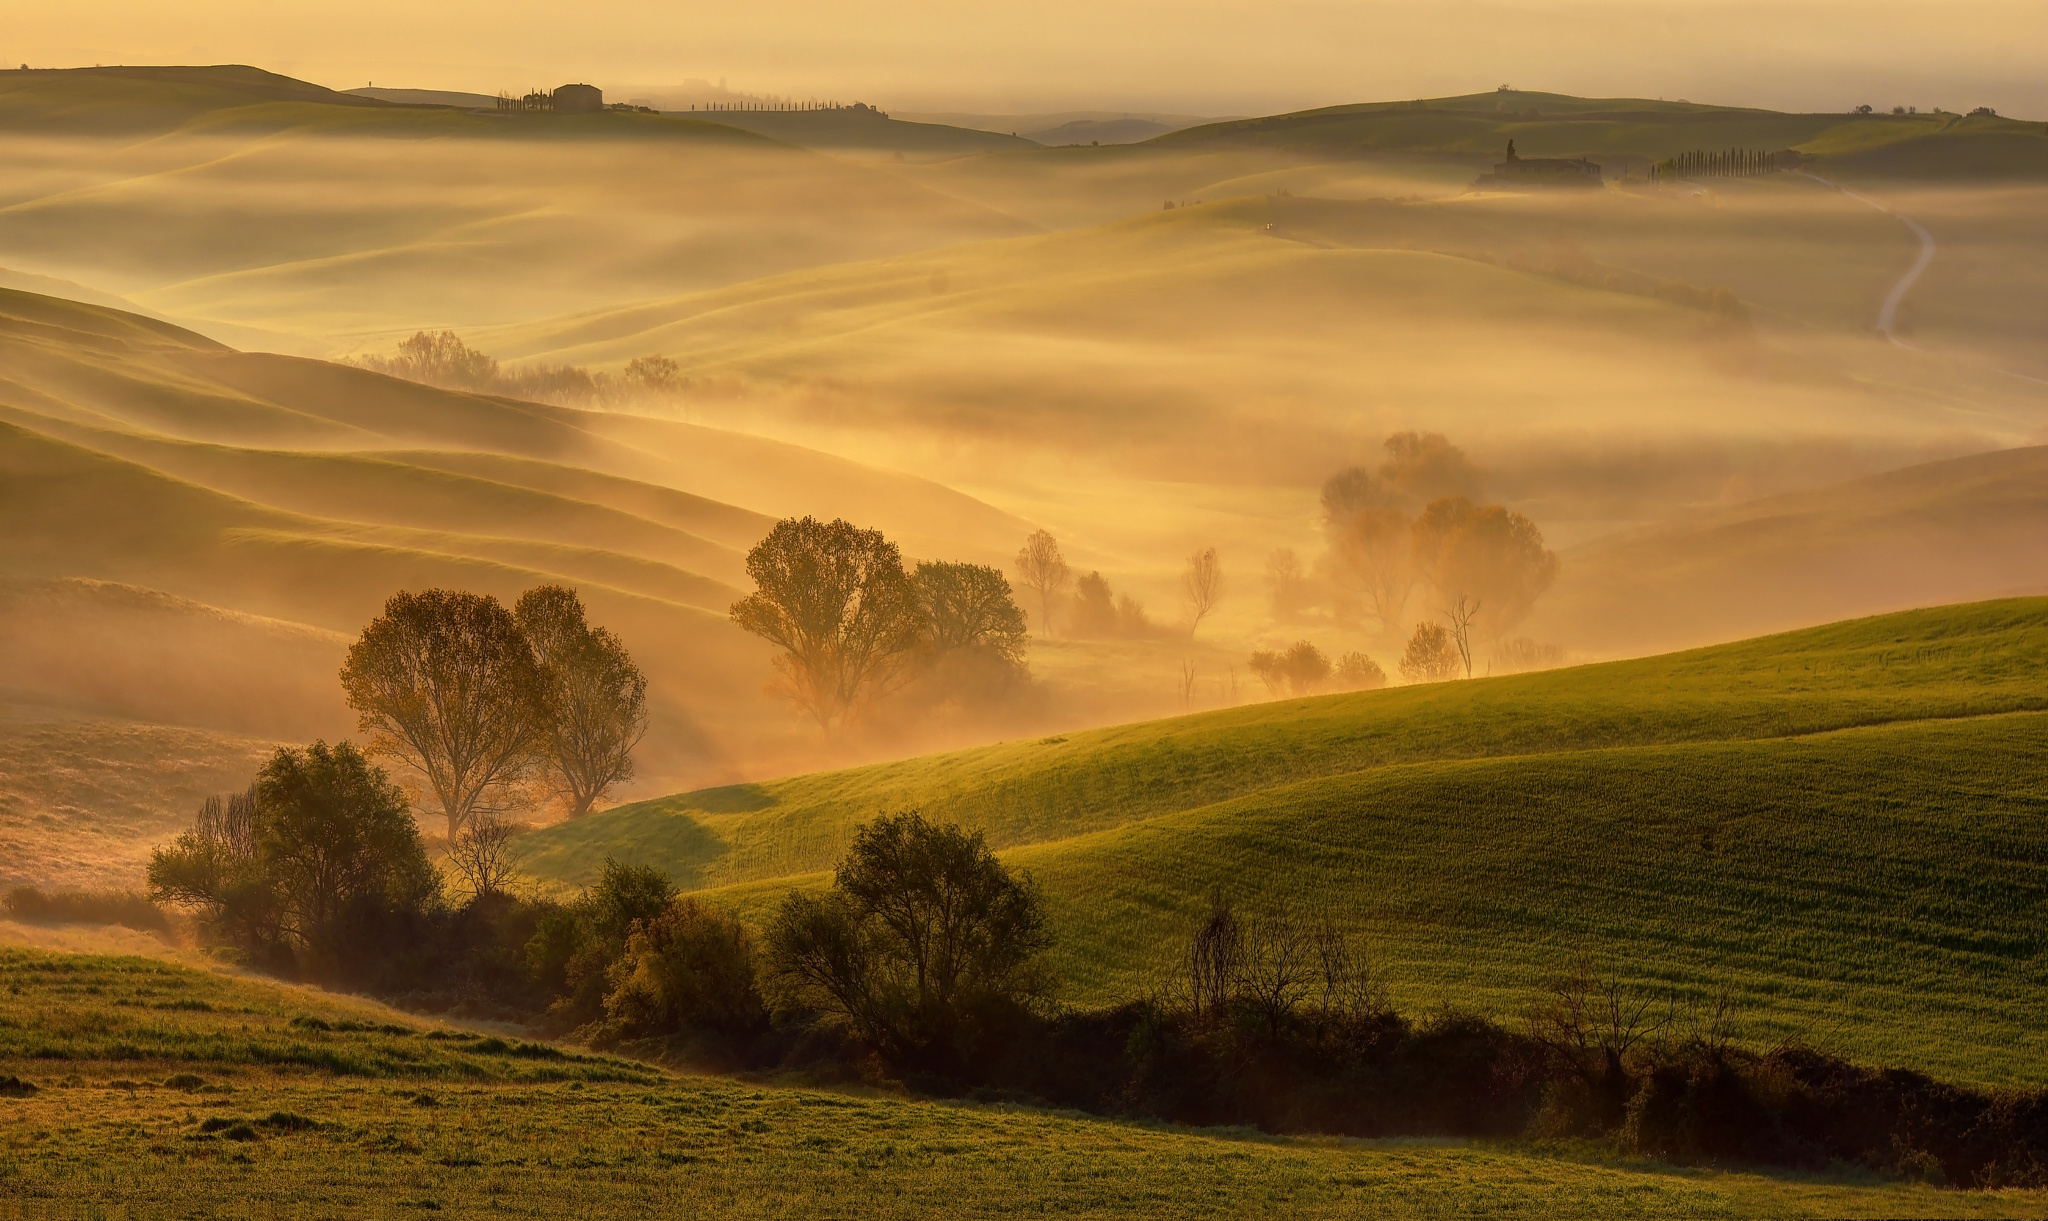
[[1431, 657], [690, 968], [126, 908], [574, 946], [1358, 672], [321, 863]]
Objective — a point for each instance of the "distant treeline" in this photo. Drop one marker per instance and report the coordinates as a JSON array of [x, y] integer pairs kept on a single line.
[[1721, 163], [441, 358]]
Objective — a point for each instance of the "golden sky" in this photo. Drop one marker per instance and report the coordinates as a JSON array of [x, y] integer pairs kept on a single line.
[[1198, 56]]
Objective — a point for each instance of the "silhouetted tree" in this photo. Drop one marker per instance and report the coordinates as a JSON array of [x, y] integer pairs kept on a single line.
[[1201, 584], [595, 697], [835, 599], [482, 854], [1045, 571], [445, 682]]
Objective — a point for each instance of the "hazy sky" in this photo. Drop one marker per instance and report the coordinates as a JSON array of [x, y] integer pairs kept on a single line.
[[1201, 56]]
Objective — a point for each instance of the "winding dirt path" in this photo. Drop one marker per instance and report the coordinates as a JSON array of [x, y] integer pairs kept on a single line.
[[1887, 315]]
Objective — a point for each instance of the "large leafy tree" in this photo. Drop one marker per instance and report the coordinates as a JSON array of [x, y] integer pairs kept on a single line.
[[836, 600], [596, 698], [445, 682], [969, 608]]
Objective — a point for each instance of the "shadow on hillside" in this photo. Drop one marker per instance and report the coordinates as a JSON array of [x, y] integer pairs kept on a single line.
[[727, 799]]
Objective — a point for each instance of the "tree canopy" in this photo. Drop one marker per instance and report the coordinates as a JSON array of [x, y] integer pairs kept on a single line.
[[445, 682], [835, 599]]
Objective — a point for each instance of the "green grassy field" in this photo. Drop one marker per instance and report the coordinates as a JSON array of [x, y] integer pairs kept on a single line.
[[166, 1091], [1840, 825]]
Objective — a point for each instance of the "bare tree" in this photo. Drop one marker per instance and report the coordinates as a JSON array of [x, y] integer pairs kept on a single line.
[[1215, 961], [1591, 1024], [1187, 684], [596, 697], [1350, 980], [445, 682], [836, 600], [1202, 586], [1043, 570], [1459, 615], [482, 854], [1287, 587], [1280, 965]]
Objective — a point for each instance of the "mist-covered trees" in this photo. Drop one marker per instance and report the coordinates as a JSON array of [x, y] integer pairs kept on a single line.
[[1300, 670], [924, 942], [322, 846], [852, 625], [594, 697], [1488, 555], [480, 702], [1416, 521], [1044, 572], [1431, 656], [835, 599], [1201, 586], [441, 358], [966, 615]]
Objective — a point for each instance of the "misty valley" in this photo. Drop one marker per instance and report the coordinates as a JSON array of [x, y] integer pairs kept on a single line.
[[672, 651]]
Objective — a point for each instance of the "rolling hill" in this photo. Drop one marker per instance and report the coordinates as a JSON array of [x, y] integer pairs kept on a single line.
[[190, 536], [1633, 132], [234, 198], [1840, 825], [1974, 527]]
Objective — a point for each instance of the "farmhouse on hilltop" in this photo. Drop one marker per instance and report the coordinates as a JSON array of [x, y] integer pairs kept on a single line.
[[578, 99], [1519, 171]]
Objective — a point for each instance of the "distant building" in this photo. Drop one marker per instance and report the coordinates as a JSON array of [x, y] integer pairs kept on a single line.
[[578, 99], [1519, 171]]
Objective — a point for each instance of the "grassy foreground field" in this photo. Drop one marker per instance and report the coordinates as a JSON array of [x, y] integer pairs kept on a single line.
[[165, 1091]]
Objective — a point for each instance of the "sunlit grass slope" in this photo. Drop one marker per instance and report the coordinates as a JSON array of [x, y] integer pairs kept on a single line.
[[1976, 660], [1840, 826], [163, 1090], [1880, 891]]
